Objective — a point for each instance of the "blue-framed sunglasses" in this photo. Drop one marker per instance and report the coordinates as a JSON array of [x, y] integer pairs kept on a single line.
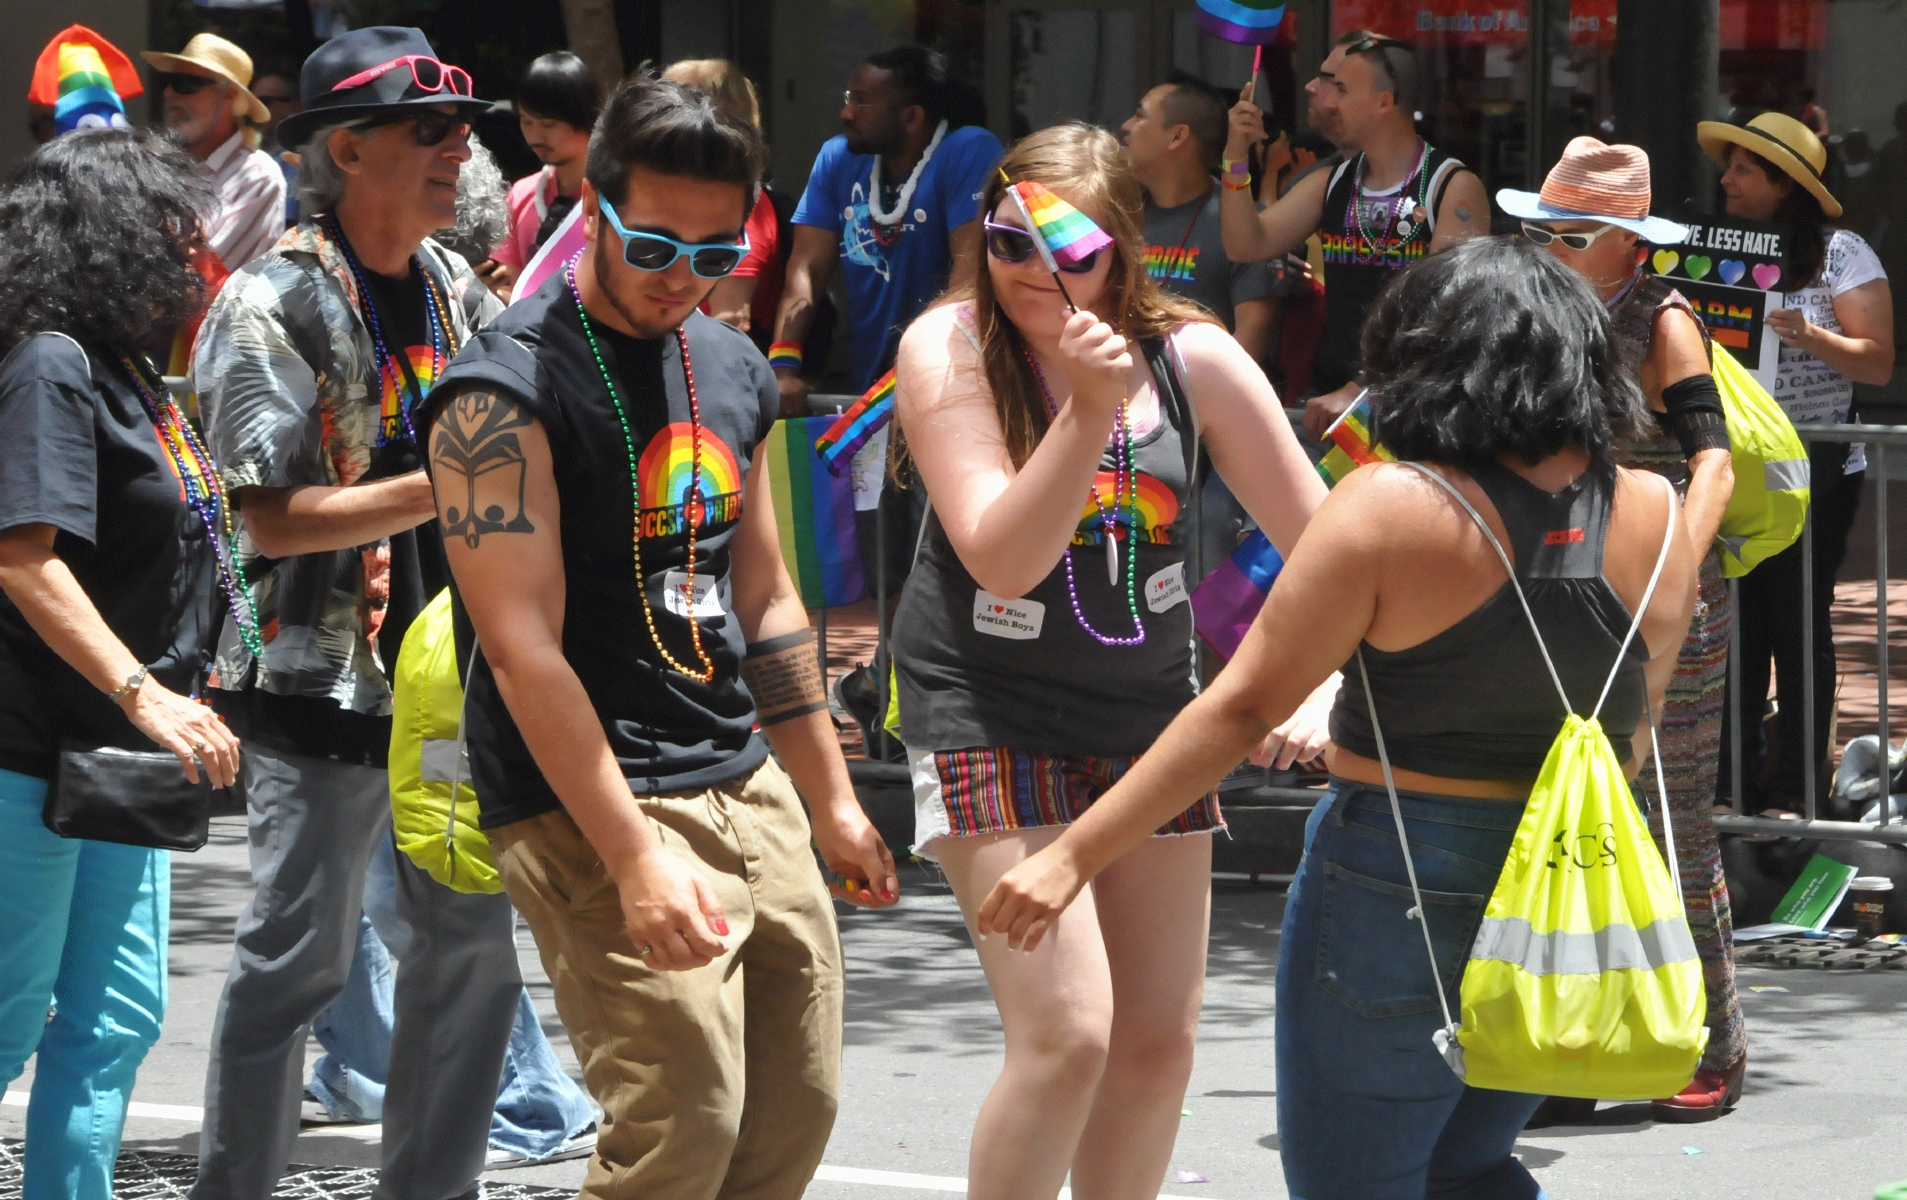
[[653, 252]]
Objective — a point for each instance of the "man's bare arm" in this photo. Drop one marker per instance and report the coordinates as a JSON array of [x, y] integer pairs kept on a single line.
[[1465, 212], [308, 520], [502, 521], [1252, 324]]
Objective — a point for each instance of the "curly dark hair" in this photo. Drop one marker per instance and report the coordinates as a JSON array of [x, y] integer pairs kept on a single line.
[[96, 236], [1490, 347]]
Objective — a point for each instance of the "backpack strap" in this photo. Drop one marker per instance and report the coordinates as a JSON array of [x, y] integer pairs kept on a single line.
[[1655, 576]]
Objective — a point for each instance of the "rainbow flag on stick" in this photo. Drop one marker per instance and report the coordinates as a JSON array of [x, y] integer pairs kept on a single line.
[[1249, 22], [814, 514], [1352, 447], [863, 419], [1069, 234]]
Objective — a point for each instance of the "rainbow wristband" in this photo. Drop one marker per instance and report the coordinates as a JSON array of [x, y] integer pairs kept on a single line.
[[785, 354], [1236, 166]]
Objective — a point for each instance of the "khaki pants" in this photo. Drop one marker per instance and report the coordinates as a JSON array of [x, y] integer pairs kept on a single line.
[[717, 1082]]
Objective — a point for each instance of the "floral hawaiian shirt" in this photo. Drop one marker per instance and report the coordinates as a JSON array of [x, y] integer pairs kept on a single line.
[[287, 388]]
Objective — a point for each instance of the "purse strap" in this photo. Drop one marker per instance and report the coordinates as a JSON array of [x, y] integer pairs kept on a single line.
[[1445, 1038]]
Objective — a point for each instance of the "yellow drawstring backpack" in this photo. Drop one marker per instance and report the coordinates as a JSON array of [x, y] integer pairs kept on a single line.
[[433, 807], [1583, 980], [1770, 501]]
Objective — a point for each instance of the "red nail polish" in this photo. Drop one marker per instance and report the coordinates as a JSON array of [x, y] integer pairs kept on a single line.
[[721, 928]]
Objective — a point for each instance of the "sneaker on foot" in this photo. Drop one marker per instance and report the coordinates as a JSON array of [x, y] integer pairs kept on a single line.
[[580, 1146], [314, 1111]]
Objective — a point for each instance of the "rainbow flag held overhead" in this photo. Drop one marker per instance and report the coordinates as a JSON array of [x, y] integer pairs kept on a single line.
[[863, 419], [1248, 22], [814, 515], [1351, 445], [1068, 233]]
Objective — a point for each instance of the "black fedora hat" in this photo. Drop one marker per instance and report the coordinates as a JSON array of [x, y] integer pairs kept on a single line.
[[370, 71]]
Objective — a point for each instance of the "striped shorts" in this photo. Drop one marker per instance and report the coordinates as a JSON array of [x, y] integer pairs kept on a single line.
[[995, 789]]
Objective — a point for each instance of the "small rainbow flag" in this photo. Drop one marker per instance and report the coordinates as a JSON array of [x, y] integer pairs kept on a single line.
[[814, 516], [1351, 447], [863, 419], [1248, 22], [1068, 233]]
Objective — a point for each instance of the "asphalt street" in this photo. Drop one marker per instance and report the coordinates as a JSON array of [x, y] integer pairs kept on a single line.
[[923, 1045]]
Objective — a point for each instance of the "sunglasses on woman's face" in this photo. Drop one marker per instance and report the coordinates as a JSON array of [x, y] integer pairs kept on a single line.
[[182, 85], [1543, 235], [429, 127], [1012, 244]]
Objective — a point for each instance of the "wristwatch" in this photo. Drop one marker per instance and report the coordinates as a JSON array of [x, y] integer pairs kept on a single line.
[[130, 686]]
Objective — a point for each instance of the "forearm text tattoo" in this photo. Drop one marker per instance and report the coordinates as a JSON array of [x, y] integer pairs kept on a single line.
[[478, 467], [784, 675]]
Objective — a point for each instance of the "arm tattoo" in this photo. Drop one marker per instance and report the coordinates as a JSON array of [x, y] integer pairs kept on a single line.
[[1463, 214], [478, 466], [784, 675]]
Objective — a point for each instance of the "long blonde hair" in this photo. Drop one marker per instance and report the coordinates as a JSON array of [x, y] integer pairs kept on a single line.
[[1090, 167], [723, 80]]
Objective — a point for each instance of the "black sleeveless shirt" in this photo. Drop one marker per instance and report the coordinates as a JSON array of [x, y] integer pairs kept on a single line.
[[1475, 701]]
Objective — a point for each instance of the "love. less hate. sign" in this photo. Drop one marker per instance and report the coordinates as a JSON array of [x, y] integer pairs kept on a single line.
[[1728, 270]]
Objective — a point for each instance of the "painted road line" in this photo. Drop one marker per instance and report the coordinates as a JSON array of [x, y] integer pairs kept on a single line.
[[160, 1112], [922, 1183]]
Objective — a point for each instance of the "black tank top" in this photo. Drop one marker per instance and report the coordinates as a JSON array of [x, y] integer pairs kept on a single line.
[[1475, 701], [1364, 250]]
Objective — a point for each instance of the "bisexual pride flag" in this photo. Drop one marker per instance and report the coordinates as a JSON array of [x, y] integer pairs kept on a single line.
[[814, 515], [1351, 444], [851, 430], [1249, 22], [1069, 234]]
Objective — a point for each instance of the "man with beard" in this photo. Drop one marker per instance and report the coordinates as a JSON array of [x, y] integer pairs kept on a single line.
[[556, 106], [896, 194], [208, 108], [640, 648]]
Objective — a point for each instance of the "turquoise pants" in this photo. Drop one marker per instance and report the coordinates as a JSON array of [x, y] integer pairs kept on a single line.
[[83, 932]]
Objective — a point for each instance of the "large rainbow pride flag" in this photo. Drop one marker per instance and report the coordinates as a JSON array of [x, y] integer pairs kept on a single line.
[[1250, 22], [814, 514]]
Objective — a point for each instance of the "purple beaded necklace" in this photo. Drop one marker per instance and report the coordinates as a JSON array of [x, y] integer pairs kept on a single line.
[[1125, 495]]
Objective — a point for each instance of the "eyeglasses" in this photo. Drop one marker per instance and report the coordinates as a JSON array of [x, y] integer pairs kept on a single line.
[[653, 252], [848, 100], [428, 126], [1543, 236], [1011, 244], [429, 74], [182, 85]]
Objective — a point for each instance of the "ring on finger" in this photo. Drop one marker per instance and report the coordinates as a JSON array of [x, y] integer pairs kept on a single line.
[[644, 951], [199, 745]]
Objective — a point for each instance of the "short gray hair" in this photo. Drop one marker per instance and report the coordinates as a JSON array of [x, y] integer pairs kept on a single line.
[[483, 216], [320, 184]]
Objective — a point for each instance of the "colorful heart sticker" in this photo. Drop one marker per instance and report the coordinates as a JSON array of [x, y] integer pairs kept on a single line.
[[1665, 261], [1731, 270], [1766, 275], [1697, 265]]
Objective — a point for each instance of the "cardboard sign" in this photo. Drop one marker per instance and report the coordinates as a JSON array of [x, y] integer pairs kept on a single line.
[[1729, 270]]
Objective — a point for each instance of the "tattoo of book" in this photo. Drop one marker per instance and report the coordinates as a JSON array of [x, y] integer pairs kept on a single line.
[[478, 465], [784, 676]]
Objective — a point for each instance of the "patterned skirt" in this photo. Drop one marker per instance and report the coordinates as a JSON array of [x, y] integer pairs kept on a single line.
[[994, 789]]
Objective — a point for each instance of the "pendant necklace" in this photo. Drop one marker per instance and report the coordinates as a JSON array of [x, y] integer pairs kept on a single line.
[[1393, 205], [1125, 495], [199, 477], [880, 217], [692, 506]]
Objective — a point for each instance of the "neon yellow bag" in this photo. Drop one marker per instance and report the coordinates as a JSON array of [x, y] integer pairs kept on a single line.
[[1770, 501], [1583, 980], [433, 807]]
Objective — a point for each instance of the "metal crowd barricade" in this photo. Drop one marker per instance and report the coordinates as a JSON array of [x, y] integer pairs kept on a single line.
[[1880, 439], [826, 404]]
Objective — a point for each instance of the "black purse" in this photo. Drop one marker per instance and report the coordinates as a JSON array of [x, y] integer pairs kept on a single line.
[[133, 797]]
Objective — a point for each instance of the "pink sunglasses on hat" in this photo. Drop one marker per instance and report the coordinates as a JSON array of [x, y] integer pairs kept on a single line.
[[437, 76]]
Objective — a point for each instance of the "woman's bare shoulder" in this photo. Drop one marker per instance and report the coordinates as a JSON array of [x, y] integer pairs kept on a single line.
[[937, 362]]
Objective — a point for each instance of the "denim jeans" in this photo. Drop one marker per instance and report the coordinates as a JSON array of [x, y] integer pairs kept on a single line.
[[1367, 1109], [82, 930], [539, 1107]]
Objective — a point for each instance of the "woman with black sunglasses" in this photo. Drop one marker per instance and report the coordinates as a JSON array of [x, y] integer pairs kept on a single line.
[[1044, 640]]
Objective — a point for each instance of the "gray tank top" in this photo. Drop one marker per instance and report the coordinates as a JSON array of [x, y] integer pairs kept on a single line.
[[1476, 701], [975, 669]]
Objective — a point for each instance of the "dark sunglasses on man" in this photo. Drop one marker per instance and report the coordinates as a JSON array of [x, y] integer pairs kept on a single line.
[[429, 127], [180, 84], [1011, 244]]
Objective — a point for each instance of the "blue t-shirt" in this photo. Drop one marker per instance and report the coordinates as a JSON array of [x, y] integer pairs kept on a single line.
[[888, 286]]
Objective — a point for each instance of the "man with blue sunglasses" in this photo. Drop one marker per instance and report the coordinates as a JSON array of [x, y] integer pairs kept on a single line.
[[641, 647]]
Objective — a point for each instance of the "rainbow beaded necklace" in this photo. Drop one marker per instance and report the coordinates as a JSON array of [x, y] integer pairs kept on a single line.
[[391, 374], [1125, 495], [199, 476], [691, 504]]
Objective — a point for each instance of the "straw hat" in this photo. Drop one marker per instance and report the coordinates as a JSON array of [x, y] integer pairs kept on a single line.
[[210, 54], [1596, 182], [1783, 141]]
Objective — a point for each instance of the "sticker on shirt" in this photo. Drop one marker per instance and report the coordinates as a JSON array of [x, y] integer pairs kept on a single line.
[[1166, 588], [666, 474], [705, 601], [996, 616]]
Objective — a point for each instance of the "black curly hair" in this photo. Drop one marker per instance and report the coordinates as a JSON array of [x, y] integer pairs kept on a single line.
[[96, 236], [1490, 347]]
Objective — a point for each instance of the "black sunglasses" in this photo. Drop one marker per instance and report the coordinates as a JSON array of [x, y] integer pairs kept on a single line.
[[184, 85], [429, 127], [1011, 244]]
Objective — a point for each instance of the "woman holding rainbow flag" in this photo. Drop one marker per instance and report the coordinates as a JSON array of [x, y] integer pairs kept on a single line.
[[1053, 408]]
